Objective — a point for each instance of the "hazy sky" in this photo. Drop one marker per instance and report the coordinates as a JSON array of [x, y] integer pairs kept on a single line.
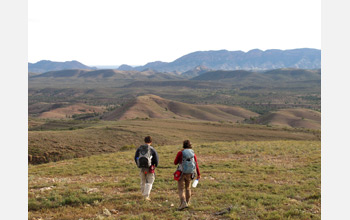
[[134, 32]]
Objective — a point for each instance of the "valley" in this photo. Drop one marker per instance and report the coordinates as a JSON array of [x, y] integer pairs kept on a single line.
[[78, 113], [256, 133]]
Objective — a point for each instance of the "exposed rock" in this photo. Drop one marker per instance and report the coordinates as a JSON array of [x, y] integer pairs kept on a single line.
[[106, 212], [46, 188]]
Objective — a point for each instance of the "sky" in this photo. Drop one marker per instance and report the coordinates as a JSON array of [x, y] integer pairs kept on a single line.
[[135, 32]]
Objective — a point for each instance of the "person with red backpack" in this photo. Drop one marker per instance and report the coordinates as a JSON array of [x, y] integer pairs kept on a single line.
[[188, 166], [146, 158]]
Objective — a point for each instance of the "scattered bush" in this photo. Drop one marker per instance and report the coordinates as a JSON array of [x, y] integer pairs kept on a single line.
[[128, 147]]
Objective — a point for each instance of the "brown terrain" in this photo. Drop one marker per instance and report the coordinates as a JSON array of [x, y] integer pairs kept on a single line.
[[68, 111], [296, 118], [152, 106], [169, 122]]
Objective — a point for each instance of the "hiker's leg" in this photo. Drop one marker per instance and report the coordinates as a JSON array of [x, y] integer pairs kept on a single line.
[[188, 180], [180, 186], [149, 183], [143, 180], [150, 178]]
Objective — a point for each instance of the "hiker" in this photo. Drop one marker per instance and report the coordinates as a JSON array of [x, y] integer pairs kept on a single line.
[[187, 161], [146, 158]]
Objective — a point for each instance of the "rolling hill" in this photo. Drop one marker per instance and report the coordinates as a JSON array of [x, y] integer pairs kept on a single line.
[[296, 118], [151, 106], [106, 74], [176, 84], [69, 111], [47, 65], [40, 107], [277, 75], [290, 74], [150, 77], [237, 75], [125, 67]]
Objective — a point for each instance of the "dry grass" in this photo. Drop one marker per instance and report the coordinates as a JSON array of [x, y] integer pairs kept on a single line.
[[109, 136], [259, 179]]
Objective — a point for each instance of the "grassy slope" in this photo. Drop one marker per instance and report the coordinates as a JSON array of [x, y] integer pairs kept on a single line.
[[90, 138], [259, 179]]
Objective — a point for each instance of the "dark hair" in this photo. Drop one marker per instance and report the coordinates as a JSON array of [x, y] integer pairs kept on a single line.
[[148, 139], [187, 144]]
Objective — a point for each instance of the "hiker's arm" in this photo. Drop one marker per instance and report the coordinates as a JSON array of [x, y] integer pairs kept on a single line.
[[136, 155], [178, 157], [197, 168], [155, 158]]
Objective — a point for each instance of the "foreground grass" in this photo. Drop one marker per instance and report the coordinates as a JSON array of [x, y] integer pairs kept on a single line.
[[259, 179]]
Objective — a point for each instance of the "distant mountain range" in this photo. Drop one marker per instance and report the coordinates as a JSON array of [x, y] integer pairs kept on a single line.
[[238, 60], [47, 65], [196, 63]]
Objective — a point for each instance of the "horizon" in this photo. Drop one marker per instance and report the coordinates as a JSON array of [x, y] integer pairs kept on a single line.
[[135, 65]]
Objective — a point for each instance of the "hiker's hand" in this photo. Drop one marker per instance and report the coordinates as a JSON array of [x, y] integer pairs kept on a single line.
[[198, 177]]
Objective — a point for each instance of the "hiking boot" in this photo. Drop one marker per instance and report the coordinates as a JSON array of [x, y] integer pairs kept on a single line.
[[147, 198], [183, 206]]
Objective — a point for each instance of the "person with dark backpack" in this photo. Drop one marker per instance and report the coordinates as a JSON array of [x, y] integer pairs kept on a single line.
[[146, 158], [188, 165]]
